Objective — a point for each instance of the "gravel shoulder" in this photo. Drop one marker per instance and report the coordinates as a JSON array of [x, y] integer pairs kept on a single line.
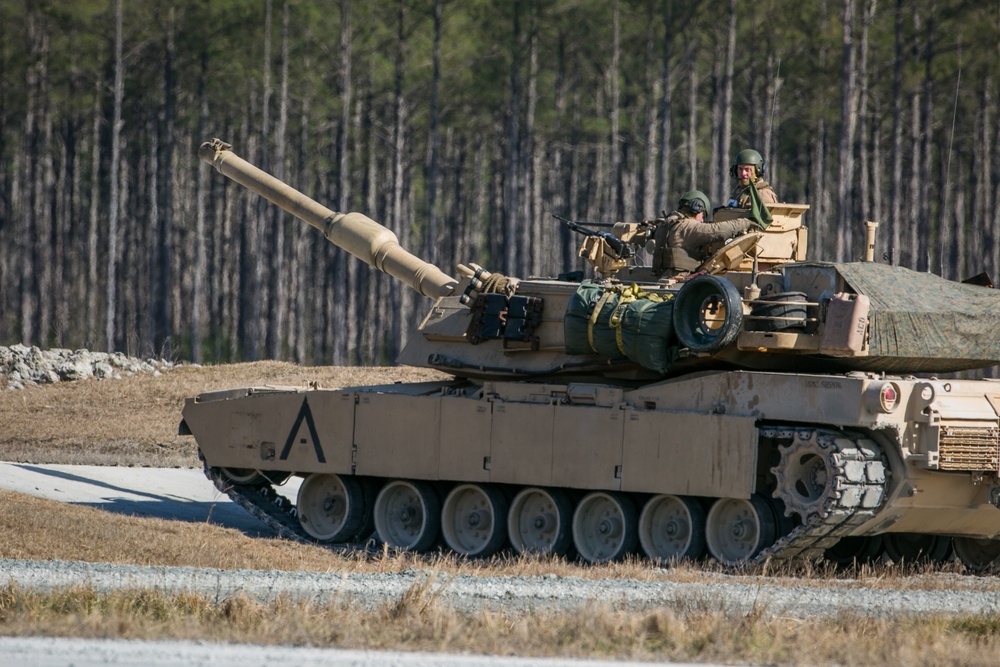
[[510, 594]]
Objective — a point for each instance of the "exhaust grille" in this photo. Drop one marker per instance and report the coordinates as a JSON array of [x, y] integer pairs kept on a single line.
[[969, 448]]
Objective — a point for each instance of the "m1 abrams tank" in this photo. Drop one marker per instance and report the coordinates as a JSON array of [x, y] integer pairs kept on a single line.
[[763, 407]]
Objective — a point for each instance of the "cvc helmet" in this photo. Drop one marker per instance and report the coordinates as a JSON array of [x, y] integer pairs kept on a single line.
[[748, 156], [694, 202]]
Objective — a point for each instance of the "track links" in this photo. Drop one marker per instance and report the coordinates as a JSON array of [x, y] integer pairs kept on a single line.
[[854, 491], [273, 509]]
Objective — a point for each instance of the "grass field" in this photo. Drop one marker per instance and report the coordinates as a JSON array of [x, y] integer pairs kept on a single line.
[[134, 422]]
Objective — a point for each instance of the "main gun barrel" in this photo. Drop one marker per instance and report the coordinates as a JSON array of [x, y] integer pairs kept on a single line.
[[356, 233]]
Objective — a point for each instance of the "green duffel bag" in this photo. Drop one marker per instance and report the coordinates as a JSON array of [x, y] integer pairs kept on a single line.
[[621, 322], [647, 334], [586, 327]]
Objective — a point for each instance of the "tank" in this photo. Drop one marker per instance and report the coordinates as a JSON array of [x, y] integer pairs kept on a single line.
[[763, 408]]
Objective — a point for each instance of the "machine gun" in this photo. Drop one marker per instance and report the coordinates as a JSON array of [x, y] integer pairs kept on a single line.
[[620, 249]]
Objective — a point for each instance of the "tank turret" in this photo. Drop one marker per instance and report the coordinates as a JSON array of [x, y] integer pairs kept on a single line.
[[755, 303], [761, 408]]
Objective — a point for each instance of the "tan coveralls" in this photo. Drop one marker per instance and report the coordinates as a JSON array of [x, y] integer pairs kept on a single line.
[[681, 240], [742, 197]]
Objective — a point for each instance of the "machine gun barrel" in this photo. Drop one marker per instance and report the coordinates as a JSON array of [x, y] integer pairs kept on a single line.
[[356, 233], [619, 247]]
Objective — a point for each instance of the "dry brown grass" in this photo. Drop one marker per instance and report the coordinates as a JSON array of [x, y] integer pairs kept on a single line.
[[418, 621]]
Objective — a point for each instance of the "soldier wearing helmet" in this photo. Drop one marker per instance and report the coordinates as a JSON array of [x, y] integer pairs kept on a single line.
[[748, 167], [681, 236]]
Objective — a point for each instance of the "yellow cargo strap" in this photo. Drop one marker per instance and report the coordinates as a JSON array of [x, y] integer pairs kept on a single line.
[[628, 295], [594, 315]]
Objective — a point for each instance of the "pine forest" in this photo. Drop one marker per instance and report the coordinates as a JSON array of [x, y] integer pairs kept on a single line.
[[463, 126]]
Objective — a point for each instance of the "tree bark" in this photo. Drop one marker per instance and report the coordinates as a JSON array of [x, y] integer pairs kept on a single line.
[[692, 129], [276, 314], [863, 209], [93, 222], [201, 197], [896, 196], [431, 235], [726, 127], [113, 203], [849, 121], [923, 198], [532, 234], [917, 260], [613, 207], [162, 316], [510, 208], [664, 167]]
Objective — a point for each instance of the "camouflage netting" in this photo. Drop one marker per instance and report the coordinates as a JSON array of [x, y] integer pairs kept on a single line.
[[921, 322]]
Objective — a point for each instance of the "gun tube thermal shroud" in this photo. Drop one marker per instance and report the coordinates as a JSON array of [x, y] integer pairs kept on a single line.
[[354, 232]]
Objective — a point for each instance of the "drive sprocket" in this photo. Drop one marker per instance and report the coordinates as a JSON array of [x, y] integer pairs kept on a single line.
[[821, 471]]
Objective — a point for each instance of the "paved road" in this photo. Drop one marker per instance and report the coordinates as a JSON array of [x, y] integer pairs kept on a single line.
[[165, 493], [46, 652]]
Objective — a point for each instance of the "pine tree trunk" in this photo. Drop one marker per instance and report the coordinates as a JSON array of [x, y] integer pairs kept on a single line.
[[509, 207], [716, 158], [613, 207], [917, 259], [45, 193], [665, 166], [276, 314], [164, 259], [771, 118], [431, 239], [726, 128], [849, 120], [201, 197], [692, 129], [863, 207], [531, 237], [924, 197], [90, 328], [896, 196], [111, 302]]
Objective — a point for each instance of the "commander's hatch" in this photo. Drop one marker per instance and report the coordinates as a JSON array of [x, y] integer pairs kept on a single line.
[[783, 241]]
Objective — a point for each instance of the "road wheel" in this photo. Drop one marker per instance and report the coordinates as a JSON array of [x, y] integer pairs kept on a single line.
[[977, 554], [672, 528], [917, 548], [332, 508], [539, 522], [408, 515], [474, 520], [737, 529], [604, 527]]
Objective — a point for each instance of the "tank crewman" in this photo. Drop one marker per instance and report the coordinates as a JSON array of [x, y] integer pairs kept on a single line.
[[681, 236], [748, 167]]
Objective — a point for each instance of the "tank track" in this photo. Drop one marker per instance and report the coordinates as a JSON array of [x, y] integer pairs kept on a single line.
[[854, 493], [273, 509]]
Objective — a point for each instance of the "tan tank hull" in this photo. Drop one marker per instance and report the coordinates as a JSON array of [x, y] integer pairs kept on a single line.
[[652, 461]]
